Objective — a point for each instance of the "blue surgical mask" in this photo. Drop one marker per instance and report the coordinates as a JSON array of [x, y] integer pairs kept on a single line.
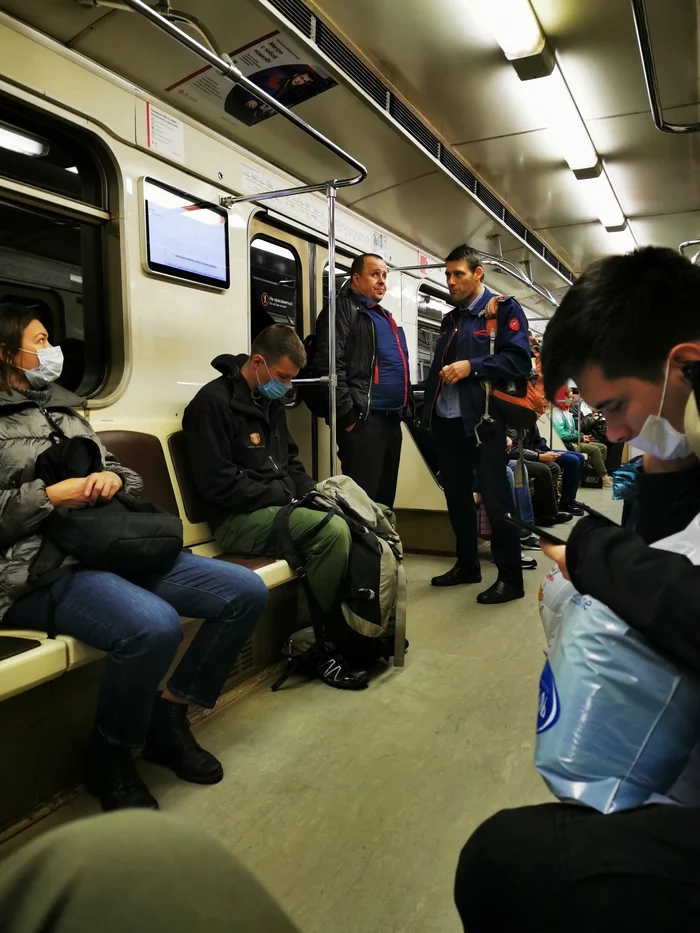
[[49, 369], [273, 389]]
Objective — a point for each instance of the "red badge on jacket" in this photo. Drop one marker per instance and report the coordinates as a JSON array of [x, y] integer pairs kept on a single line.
[[514, 323]]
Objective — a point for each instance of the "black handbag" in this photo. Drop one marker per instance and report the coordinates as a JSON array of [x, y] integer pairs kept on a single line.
[[127, 536]]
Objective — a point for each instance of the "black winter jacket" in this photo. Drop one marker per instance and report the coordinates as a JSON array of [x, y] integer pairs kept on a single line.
[[656, 592], [356, 348], [242, 456]]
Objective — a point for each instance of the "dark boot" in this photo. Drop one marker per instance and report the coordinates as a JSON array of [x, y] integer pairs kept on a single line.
[[170, 743], [111, 775], [460, 573]]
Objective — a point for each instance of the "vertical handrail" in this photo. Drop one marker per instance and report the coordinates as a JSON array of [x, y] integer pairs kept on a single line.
[[332, 289]]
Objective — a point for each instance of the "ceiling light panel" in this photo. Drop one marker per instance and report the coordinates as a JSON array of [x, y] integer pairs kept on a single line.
[[515, 27]]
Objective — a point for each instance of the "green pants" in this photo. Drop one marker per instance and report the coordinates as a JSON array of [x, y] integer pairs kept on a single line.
[[325, 553], [597, 453], [133, 871]]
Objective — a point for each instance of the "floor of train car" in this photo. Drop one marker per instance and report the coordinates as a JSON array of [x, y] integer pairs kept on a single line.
[[352, 807]]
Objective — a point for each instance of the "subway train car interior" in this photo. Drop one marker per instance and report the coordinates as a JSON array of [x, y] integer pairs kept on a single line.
[[183, 186]]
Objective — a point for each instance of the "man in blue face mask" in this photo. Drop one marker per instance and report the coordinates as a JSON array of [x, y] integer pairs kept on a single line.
[[246, 467], [628, 332]]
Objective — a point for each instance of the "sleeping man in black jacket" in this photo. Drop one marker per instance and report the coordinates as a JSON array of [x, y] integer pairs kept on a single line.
[[245, 466], [628, 332]]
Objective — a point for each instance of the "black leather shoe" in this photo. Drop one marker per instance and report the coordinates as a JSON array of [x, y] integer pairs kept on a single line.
[[170, 743], [500, 592], [460, 573], [561, 518], [111, 775], [335, 671]]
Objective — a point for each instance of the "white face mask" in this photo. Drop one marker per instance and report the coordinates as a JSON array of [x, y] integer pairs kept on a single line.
[[659, 438], [49, 369]]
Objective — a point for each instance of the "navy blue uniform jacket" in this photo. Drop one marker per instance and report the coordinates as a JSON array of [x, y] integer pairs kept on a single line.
[[512, 358]]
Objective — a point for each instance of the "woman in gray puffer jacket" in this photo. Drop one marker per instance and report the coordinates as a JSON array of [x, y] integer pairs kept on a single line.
[[136, 622]]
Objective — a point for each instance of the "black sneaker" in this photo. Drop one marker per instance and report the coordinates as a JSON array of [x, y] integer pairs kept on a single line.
[[170, 743], [531, 543], [574, 508], [111, 776], [335, 671], [528, 563]]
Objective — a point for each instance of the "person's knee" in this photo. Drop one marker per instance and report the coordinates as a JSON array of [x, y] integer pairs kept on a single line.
[[159, 632], [337, 534]]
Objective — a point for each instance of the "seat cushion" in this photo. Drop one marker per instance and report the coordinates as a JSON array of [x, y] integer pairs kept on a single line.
[[252, 563], [195, 508], [143, 453]]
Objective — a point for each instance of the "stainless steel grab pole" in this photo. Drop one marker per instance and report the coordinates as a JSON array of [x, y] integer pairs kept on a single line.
[[332, 375], [230, 71]]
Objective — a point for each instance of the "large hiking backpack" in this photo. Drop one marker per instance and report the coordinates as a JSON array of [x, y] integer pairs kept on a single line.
[[372, 601], [520, 401]]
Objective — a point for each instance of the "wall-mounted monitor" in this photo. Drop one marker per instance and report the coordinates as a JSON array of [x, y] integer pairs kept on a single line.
[[185, 238]]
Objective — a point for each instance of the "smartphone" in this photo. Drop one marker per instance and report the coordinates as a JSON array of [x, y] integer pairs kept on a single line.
[[533, 529]]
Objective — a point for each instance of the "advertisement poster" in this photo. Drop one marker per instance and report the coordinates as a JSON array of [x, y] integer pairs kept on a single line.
[[274, 63]]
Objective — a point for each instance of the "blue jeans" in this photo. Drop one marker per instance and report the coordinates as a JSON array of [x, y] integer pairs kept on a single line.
[[139, 627], [571, 463], [521, 497]]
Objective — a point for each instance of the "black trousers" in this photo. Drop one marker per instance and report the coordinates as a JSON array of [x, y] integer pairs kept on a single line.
[[370, 455], [565, 869], [460, 458], [544, 499]]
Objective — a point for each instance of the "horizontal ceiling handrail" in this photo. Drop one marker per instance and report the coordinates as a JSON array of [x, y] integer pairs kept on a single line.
[[229, 70], [641, 24]]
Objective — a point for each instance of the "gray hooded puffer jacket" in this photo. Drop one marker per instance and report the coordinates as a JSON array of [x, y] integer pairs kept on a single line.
[[24, 434]]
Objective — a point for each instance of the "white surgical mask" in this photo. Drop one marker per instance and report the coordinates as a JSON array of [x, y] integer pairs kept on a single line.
[[49, 369], [659, 438]]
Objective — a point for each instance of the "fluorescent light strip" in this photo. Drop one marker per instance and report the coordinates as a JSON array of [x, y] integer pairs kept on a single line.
[[515, 27], [560, 115], [599, 193], [19, 142]]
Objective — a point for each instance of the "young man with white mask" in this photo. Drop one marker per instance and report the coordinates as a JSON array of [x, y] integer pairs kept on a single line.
[[628, 332]]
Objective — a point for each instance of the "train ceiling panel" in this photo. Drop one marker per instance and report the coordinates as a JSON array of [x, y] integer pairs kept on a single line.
[[442, 60]]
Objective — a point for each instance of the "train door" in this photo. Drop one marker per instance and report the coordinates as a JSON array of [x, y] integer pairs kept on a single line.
[[342, 278], [280, 293]]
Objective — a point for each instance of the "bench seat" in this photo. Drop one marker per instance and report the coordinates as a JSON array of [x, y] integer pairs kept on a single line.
[[43, 658]]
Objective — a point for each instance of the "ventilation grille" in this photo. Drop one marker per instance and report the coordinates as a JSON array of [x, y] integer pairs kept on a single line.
[[457, 168], [350, 64], [245, 663], [409, 121], [297, 14], [328, 43]]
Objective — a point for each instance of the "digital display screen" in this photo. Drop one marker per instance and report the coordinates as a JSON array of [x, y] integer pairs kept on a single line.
[[185, 238]]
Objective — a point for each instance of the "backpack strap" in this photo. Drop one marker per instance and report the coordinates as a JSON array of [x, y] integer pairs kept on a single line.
[[490, 313]]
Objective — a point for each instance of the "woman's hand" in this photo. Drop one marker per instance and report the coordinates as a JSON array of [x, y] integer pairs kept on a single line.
[[557, 553], [83, 491]]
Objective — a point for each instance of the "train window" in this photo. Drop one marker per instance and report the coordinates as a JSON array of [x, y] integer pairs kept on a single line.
[[52, 263], [275, 287], [342, 277], [46, 155], [432, 307]]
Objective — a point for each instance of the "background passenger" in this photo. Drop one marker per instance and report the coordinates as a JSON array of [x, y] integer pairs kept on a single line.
[[455, 402], [566, 428], [639, 869], [137, 622], [545, 475], [245, 465], [374, 383]]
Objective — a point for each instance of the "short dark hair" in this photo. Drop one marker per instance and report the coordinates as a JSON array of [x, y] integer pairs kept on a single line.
[[468, 254], [15, 317], [358, 263], [624, 315], [278, 341]]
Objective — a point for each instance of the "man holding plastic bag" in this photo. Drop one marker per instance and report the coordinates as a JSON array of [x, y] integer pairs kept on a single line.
[[628, 331]]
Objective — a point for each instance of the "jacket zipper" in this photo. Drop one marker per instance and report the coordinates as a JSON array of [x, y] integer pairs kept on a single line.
[[371, 368]]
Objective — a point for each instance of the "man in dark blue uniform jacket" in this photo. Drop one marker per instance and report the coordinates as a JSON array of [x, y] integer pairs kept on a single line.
[[465, 442]]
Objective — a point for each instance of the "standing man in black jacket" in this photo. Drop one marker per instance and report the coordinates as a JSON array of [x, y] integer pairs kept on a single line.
[[628, 331], [246, 467], [373, 379]]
